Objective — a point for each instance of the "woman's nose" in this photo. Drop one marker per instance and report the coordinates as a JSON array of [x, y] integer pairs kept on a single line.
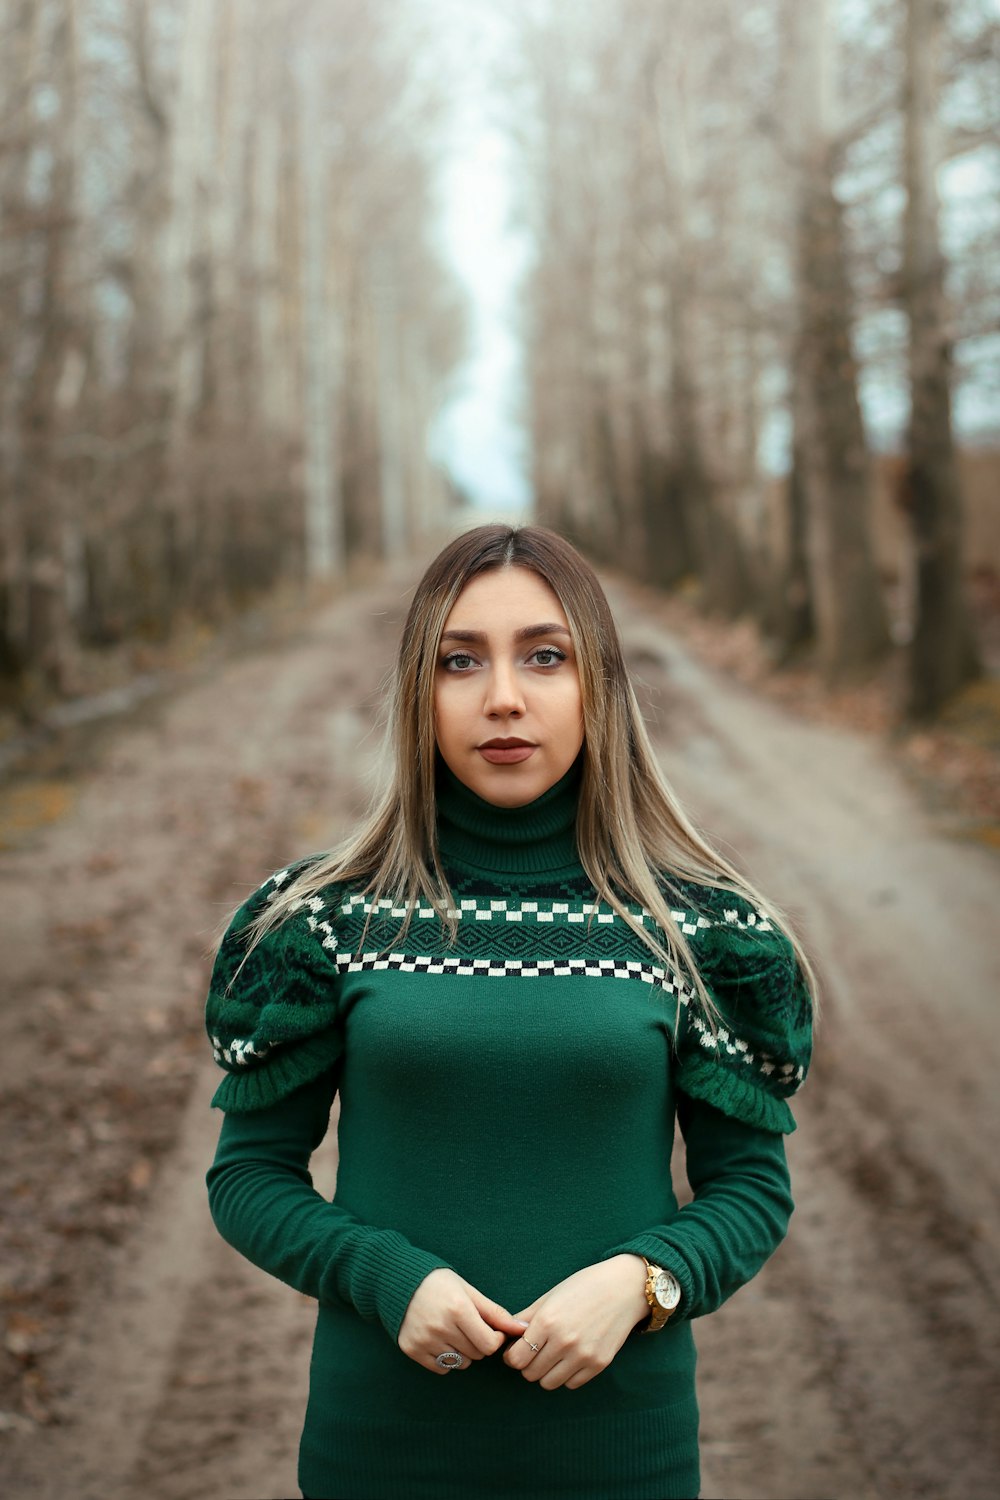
[[503, 690]]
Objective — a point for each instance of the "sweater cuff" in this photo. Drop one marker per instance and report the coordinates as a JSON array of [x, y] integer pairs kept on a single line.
[[652, 1249], [394, 1269]]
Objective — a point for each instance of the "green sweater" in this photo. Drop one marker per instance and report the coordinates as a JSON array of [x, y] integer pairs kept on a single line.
[[508, 1110]]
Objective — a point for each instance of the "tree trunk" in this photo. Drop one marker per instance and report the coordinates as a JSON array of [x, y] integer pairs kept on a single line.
[[707, 528], [720, 558], [852, 630], [670, 554], [149, 205], [187, 247], [391, 436], [50, 385], [274, 386], [19, 70], [323, 529], [942, 655], [787, 618]]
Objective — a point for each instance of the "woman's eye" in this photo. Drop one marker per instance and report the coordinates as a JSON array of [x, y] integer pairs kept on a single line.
[[455, 660]]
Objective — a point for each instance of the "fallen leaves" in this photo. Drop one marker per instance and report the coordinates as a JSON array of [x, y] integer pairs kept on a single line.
[[26, 1336], [140, 1174], [27, 806]]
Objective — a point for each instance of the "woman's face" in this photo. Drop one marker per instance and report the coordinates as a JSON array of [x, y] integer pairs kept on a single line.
[[506, 670]]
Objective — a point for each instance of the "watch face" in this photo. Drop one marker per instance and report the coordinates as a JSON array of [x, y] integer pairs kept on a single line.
[[667, 1290]]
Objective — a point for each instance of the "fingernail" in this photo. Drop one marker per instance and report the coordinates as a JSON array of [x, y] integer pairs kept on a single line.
[[521, 1321]]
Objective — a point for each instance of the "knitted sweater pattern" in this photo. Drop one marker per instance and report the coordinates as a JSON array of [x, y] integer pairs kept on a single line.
[[749, 1066]]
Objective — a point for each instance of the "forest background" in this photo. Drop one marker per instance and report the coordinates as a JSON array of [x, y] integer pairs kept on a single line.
[[762, 297]]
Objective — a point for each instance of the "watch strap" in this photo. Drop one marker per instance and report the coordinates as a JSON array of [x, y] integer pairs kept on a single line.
[[658, 1315]]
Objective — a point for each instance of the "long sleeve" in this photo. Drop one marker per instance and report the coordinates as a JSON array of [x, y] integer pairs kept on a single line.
[[737, 1218], [264, 1204], [732, 1082], [273, 1018]]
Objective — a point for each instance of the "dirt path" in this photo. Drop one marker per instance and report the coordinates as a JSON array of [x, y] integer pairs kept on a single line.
[[153, 1362]]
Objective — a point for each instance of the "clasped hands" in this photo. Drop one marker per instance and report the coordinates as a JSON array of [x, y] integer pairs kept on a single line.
[[579, 1325]]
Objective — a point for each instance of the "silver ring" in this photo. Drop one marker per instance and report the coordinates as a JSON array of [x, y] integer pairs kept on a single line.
[[449, 1360], [533, 1347]]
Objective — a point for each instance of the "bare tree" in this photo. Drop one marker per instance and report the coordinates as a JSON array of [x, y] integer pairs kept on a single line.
[[49, 344], [851, 625], [320, 327], [943, 654], [717, 553]]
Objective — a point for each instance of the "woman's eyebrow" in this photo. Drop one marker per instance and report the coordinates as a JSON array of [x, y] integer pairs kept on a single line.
[[526, 633]]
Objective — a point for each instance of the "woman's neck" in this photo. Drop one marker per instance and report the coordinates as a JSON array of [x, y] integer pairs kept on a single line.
[[535, 840]]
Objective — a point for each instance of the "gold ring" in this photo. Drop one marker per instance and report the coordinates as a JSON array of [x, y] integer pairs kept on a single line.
[[533, 1347]]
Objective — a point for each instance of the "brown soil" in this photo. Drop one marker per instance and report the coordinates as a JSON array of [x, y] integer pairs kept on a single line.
[[143, 1357]]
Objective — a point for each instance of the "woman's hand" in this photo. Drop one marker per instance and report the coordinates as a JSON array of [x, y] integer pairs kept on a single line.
[[446, 1312], [580, 1325]]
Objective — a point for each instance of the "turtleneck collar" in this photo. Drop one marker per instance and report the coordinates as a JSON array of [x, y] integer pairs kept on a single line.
[[536, 839]]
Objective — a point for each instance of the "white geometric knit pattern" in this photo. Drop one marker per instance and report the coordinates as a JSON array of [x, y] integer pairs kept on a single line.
[[541, 913]]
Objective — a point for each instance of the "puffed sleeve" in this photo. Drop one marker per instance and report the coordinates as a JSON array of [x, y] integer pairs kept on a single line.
[[271, 1015], [758, 1055], [274, 1026]]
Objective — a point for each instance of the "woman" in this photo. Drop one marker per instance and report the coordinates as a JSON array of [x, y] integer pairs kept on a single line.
[[518, 973]]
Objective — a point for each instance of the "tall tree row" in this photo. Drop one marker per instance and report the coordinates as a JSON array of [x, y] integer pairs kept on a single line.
[[728, 199], [224, 328]]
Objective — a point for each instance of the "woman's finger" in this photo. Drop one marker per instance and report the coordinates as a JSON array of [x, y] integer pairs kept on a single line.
[[479, 1338], [496, 1316], [541, 1362], [523, 1351], [559, 1374]]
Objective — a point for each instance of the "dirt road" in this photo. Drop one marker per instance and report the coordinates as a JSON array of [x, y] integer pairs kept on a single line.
[[144, 1358]]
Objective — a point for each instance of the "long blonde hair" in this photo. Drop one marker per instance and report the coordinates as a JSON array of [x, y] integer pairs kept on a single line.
[[632, 832]]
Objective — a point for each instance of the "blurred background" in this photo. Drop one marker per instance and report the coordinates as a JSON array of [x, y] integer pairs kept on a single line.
[[713, 288]]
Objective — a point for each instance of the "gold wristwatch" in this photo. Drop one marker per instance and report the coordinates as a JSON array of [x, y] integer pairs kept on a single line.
[[663, 1293]]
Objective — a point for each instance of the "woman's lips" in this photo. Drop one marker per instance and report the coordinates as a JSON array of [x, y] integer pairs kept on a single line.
[[498, 757]]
